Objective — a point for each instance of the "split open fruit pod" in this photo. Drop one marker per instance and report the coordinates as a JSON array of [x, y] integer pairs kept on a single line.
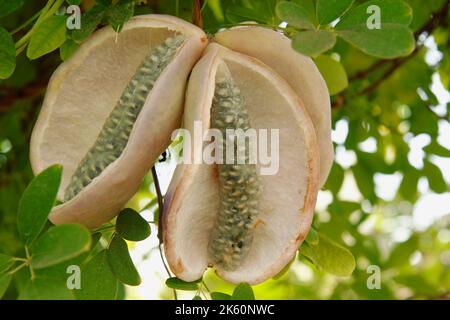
[[109, 112], [245, 224], [112, 108]]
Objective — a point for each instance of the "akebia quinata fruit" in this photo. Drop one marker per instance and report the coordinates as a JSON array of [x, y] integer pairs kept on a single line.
[[112, 108], [228, 215], [109, 112]]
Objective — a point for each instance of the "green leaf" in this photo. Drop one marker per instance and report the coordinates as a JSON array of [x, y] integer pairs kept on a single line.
[[333, 72], [313, 42], [131, 226], [310, 7], [220, 296], [330, 10], [6, 262], [329, 256], [120, 262], [46, 289], [97, 281], [401, 253], [393, 40], [335, 179], [243, 292], [59, 244], [178, 284], [75, 2], [254, 10], [343, 207], [89, 22], [312, 237], [294, 15], [408, 186], [36, 203], [5, 280], [436, 149], [9, 6], [48, 36], [364, 180], [435, 178], [120, 13], [7, 54], [68, 49], [197, 298], [375, 161], [392, 12], [59, 271]]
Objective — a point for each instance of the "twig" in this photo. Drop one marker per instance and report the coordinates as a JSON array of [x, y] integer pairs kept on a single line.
[[160, 223], [160, 205], [197, 18], [167, 269], [206, 287], [435, 20], [395, 65]]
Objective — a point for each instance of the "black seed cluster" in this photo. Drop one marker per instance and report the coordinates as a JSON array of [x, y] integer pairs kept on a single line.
[[232, 234], [117, 128]]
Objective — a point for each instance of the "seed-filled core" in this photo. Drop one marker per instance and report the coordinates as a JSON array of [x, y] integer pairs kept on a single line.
[[116, 130], [232, 234]]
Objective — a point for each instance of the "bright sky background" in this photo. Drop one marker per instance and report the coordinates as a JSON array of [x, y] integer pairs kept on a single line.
[[426, 211]]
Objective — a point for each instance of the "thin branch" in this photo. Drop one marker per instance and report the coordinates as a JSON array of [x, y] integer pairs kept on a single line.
[[197, 18], [167, 269], [394, 66], [160, 204], [364, 73]]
